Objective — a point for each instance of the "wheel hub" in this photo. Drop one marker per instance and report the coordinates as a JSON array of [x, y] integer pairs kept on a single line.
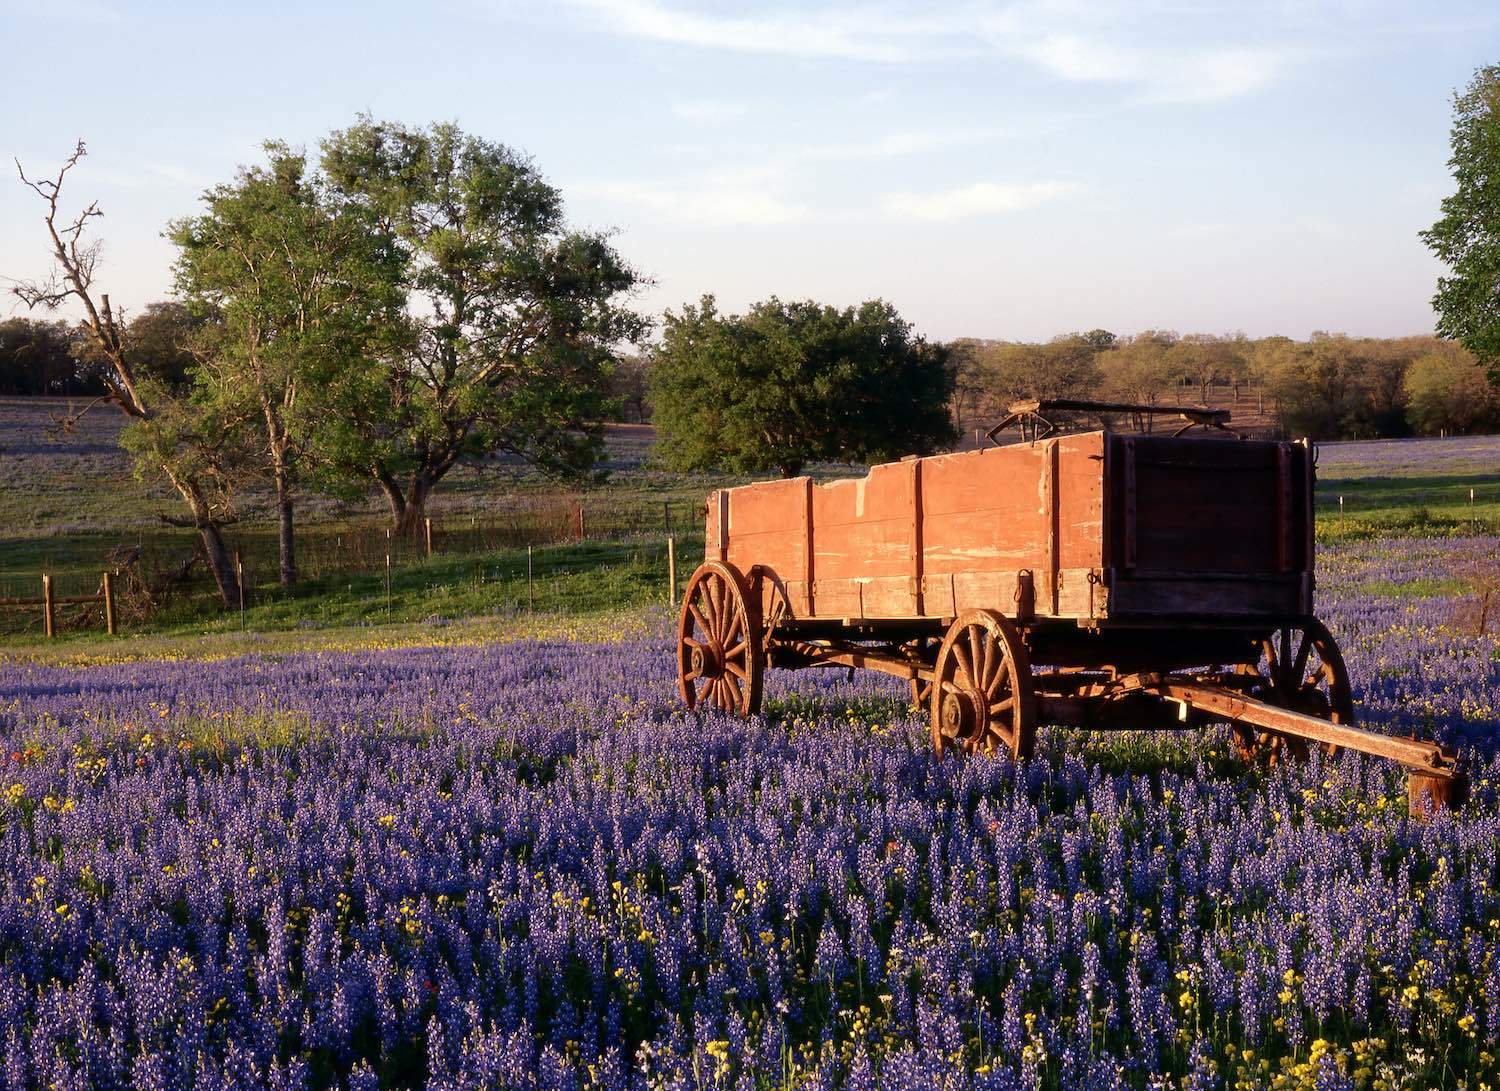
[[707, 660], [961, 714]]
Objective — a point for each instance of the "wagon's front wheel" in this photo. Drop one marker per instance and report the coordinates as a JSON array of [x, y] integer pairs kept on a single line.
[[1302, 669], [719, 655], [982, 697]]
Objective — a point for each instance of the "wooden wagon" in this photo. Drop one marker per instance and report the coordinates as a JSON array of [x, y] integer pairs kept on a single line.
[[1096, 579]]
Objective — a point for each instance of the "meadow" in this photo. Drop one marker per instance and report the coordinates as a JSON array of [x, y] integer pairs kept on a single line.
[[522, 864], [433, 837]]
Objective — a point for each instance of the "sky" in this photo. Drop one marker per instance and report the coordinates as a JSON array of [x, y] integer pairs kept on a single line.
[[1003, 170]]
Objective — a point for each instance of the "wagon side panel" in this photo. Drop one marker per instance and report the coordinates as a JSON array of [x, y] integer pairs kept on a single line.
[[863, 544], [768, 527], [985, 519]]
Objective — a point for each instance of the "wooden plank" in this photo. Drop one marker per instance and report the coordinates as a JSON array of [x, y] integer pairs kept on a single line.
[[810, 549], [723, 541], [1050, 505], [916, 536], [1309, 529], [1080, 501], [1196, 595], [1283, 522], [1128, 506]]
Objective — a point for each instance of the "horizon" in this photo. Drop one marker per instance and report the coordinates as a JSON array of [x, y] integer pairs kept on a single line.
[[1202, 169]]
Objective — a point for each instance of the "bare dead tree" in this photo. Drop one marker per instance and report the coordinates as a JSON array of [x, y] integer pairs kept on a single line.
[[75, 257], [1479, 607]]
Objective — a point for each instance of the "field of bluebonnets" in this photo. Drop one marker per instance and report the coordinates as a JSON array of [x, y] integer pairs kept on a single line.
[[522, 864]]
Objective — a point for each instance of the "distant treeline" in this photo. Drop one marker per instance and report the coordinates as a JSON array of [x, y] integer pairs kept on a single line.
[[1328, 387], [54, 358]]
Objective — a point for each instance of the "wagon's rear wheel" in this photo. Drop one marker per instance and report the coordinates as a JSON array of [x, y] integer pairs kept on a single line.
[[982, 697], [720, 659], [1302, 669]]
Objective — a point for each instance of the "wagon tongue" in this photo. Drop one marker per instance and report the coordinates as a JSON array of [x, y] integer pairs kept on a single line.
[[1433, 784]]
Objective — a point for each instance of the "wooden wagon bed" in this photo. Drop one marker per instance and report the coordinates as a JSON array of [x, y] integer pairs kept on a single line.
[[1091, 528], [1095, 579]]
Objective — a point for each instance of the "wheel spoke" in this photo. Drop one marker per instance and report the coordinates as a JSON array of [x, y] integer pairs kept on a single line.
[[961, 659], [977, 664], [999, 707], [699, 620], [713, 591], [736, 623], [736, 652], [736, 670], [992, 690], [1299, 668], [732, 690]]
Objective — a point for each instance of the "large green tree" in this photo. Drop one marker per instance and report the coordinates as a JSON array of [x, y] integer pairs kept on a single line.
[[790, 383], [301, 292], [514, 318], [1467, 235]]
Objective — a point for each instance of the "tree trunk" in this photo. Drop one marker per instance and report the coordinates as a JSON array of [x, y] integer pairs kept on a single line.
[[393, 498], [286, 543], [414, 505], [220, 560], [221, 564]]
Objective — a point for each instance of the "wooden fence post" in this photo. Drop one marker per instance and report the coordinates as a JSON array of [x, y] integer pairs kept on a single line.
[[671, 571], [530, 599], [427, 529], [239, 579], [666, 518], [580, 520], [109, 603], [47, 604]]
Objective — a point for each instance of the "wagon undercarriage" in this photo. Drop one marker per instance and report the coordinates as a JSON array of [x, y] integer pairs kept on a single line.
[[986, 684]]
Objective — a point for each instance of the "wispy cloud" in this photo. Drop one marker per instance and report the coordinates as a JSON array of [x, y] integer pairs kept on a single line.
[[1162, 74], [705, 202], [841, 33], [978, 199], [1121, 44], [710, 111]]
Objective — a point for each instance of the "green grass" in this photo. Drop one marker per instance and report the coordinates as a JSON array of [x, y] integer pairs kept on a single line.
[[1432, 505], [582, 579]]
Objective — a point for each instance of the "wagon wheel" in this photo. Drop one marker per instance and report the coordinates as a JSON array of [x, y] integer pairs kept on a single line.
[[982, 696], [774, 611], [720, 659], [1302, 669]]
